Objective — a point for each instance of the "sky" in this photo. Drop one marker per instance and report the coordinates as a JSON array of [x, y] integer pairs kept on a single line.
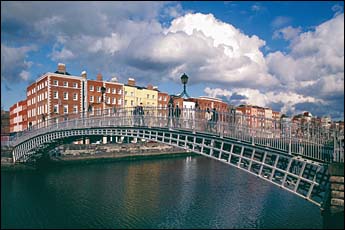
[[288, 56]]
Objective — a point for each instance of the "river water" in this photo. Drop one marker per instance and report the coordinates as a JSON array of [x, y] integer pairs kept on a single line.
[[185, 192]]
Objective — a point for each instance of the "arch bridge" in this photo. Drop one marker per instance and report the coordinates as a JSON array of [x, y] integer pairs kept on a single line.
[[292, 156]]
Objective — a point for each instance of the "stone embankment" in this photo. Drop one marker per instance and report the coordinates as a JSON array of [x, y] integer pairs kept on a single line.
[[70, 154], [114, 152]]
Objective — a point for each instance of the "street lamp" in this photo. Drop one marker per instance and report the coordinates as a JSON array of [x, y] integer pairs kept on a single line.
[[103, 89], [184, 80]]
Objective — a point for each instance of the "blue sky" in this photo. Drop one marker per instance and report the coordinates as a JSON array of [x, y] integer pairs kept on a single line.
[[285, 55]]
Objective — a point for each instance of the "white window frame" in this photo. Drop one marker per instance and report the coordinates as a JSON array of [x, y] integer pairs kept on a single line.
[[65, 109]]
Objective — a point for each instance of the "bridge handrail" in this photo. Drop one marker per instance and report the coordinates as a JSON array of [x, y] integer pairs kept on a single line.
[[300, 139]]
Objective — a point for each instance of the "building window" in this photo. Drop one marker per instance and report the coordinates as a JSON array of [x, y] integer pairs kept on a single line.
[[132, 103], [125, 93], [132, 94], [159, 98], [46, 83], [120, 91], [153, 96], [91, 88], [99, 99], [55, 95], [108, 90], [119, 102], [56, 109], [75, 96], [65, 95], [65, 84], [147, 96], [65, 109], [113, 91], [108, 100], [91, 98], [114, 100], [56, 82], [125, 102], [46, 95], [75, 85], [98, 89], [75, 109], [165, 98]]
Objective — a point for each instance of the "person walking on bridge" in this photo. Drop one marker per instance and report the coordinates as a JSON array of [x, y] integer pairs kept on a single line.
[[171, 121], [208, 118], [177, 115]]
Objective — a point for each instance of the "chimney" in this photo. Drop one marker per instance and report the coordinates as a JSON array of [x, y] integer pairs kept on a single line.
[[99, 77], [83, 74], [131, 82], [150, 87], [61, 68]]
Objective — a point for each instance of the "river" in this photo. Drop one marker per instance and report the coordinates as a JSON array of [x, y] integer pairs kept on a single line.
[[185, 192]]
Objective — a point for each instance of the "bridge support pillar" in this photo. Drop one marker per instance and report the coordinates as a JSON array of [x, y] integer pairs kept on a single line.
[[333, 213]]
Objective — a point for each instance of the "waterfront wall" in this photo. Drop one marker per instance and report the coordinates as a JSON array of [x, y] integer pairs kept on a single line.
[[334, 209]]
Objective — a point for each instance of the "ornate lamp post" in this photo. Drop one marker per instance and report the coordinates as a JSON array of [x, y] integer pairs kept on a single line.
[[103, 89], [184, 80]]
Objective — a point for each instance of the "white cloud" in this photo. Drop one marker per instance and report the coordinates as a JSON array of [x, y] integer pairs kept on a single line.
[[280, 21], [264, 99], [25, 75], [315, 56], [13, 62], [288, 33], [61, 55]]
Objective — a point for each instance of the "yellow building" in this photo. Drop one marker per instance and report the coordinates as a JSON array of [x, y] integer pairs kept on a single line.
[[134, 95]]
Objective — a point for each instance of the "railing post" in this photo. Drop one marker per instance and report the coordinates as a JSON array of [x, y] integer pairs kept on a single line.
[[334, 147], [290, 139]]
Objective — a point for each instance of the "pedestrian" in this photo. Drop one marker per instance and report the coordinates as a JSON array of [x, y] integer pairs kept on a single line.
[[170, 115], [214, 118], [136, 115], [208, 118], [177, 115], [141, 114]]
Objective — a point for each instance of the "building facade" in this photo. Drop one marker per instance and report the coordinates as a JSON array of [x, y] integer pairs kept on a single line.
[[54, 95], [18, 117]]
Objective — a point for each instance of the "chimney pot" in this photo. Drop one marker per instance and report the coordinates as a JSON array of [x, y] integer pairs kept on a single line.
[[61, 68], [99, 77], [131, 82]]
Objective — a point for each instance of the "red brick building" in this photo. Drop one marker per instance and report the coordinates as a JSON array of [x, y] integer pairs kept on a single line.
[[18, 117], [210, 102], [53, 95], [112, 95]]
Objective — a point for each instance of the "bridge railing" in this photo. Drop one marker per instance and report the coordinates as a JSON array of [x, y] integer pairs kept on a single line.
[[308, 140]]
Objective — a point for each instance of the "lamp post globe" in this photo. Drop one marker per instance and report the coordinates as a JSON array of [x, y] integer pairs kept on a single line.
[[184, 78]]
